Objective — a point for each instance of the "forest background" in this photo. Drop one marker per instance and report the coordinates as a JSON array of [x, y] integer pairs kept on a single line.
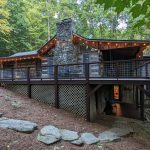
[[26, 25]]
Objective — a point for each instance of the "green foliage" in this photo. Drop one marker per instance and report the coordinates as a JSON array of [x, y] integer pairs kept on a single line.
[[4, 16], [5, 27], [138, 8], [27, 24]]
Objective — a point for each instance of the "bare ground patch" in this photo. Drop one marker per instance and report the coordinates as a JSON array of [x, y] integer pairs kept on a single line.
[[43, 114]]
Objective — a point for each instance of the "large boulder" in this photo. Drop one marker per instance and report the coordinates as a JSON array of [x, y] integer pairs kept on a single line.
[[89, 138], [108, 136], [78, 142], [47, 139], [68, 135], [49, 135], [17, 125], [50, 130], [114, 134], [121, 131]]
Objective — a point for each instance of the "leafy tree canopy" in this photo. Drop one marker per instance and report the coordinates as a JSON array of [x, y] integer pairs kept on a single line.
[[27, 24], [140, 9]]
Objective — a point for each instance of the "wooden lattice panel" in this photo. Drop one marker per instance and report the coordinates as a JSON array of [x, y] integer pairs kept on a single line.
[[21, 89], [73, 98], [44, 93]]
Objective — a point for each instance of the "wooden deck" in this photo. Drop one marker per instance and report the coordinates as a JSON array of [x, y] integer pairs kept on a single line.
[[106, 72], [136, 72], [79, 81]]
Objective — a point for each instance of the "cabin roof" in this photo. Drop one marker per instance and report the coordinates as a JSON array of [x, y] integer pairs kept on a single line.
[[100, 44], [111, 40], [24, 53], [120, 46], [21, 56]]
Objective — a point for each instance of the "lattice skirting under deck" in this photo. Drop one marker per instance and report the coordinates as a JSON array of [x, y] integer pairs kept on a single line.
[[21, 89], [44, 93], [73, 98]]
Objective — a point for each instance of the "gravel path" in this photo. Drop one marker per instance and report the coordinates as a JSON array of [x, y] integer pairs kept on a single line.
[[43, 114]]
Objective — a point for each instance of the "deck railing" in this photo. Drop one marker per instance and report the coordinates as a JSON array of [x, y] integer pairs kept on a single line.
[[85, 71]]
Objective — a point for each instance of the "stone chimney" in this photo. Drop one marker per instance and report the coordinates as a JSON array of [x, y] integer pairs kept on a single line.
[[65, 52], [64, 29]]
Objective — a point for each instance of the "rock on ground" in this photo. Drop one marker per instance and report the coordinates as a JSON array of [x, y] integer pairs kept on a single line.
[[121, 132], [78, 142], [1, 114], [17, 125], [47, 139], [108, 136], [7, 98], [68, 135], [89, 138], [50, 130], [113, 134], [49, 135], [16, 104]]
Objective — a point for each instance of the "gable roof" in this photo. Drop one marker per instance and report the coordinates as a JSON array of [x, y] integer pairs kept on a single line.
[[48, 45], [101, 44]]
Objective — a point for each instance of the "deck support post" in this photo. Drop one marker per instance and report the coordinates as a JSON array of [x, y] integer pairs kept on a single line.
[[88, 103], [142, 103], [87, 92], [56, 86], [29, 90], [137, 97], [28, 82]]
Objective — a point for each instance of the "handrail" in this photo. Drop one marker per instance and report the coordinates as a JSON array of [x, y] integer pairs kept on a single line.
[[86, 71], [112, 61]]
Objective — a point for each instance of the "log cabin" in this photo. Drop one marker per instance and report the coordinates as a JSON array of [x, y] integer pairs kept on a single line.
[[82, 74]]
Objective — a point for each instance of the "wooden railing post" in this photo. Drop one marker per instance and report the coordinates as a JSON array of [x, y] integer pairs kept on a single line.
[[136, 67], [12, 74], [117, 70], [28, 75], [56, 86], [146, 70], [87, 74]]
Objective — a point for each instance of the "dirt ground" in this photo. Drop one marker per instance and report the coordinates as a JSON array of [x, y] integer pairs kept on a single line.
[[43, 114]]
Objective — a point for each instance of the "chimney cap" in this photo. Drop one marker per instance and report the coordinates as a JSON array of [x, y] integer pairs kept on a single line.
[[65, 20]]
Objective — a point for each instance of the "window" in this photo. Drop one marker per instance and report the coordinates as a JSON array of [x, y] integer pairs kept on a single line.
[[85, 58]]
